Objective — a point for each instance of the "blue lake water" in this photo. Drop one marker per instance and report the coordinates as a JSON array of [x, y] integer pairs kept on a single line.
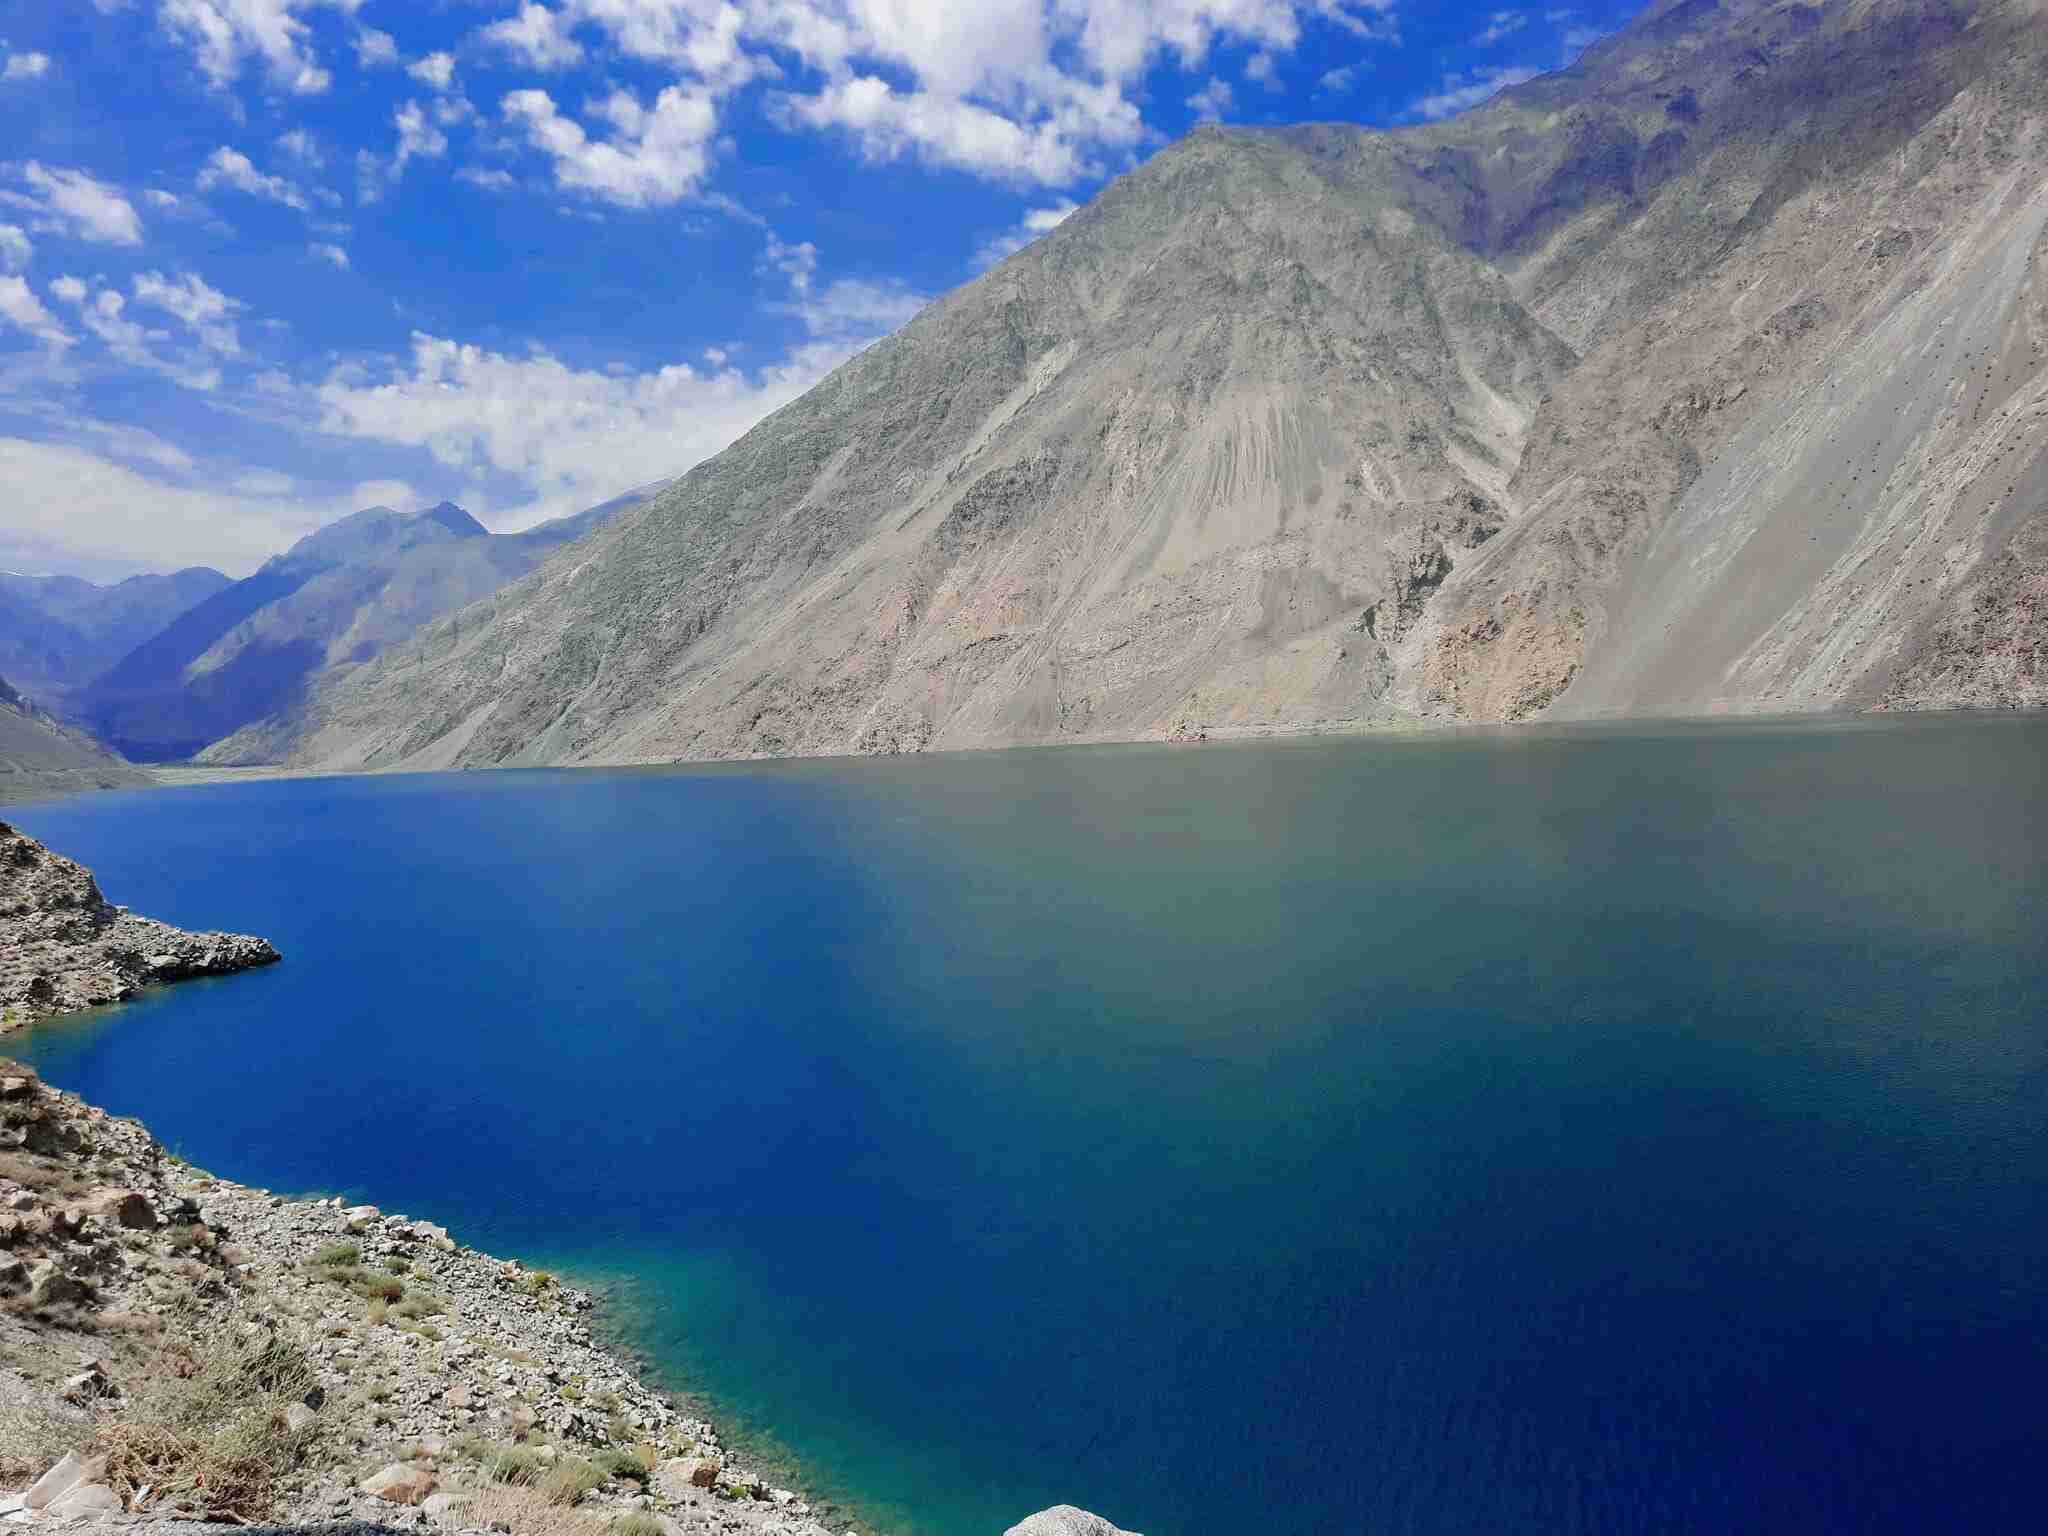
[[1602, 1131]]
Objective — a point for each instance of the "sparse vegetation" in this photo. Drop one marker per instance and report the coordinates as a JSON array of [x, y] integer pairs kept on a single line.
[[338, 1256], [569, 1480], [211, 1432], [623, 1465]]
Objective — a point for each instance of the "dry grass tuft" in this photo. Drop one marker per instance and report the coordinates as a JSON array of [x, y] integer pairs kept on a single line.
[[33, 1439], [209, 1430], [526, 1510]]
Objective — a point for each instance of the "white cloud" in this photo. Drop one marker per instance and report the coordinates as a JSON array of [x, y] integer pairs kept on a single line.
[[574, 436], [1025, 91], [1461, 91], [850, 307], [224, 35], [483, 176], [1261, 70], [333, 255], [1577, 40], [655, 156], [1211, 101], [436, 70], [161, 199], [230, 167], [536, 36], [418, 139], [73, 506], [1336, 79], [375, 49], [1034, 223], [68, 288], [302, 146], [1499, 25], [73, 203], [20, 308], [206, 312], [15, 247], [25, 66]]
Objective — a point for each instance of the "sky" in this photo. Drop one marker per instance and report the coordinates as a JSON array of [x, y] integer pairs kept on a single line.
[[267, 262]]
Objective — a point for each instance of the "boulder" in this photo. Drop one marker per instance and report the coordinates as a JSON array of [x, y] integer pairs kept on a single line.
[[89, 1386], [126, 1208], [73, 1470], [678, 1478], [458, 1398], [1065, 1520], [85, 1501], [299, 1417], [49, 1286], [13, 1277], [15, 1087], [444, 1508], [403, 1482]]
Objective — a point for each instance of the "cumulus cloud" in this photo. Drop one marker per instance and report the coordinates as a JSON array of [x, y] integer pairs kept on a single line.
[[303, 147], [73, 203], [574, 436], [1336, 79], [1026, 91], [1211, 101], [374, 49], [436, 70], [333, 255], [1035, 222], [25, 66], [21, 309], [654, 156], [491, 180], [537, 36], [1460, 91], [15, 247], [418, 139], [231, 168], [227, 35], [206, 312]]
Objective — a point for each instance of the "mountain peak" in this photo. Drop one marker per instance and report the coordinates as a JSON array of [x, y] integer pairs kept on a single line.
[[455, 520]]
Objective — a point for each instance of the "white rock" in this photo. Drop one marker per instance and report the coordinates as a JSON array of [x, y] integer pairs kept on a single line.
[[60, 1479], [85, 1501], [1065, 1520]]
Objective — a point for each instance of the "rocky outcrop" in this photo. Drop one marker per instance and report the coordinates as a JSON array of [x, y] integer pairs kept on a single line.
[[63, 946]]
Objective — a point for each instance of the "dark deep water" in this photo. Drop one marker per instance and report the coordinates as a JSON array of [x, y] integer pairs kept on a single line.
[[1610, 1131]]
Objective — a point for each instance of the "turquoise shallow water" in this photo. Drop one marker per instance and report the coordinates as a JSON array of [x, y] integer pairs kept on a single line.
[[1605, 1131]]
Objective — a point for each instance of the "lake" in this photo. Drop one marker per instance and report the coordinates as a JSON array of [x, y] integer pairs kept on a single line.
[[1606, 1130]]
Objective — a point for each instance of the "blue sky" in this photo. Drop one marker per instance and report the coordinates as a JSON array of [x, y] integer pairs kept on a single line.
[[263, 262]]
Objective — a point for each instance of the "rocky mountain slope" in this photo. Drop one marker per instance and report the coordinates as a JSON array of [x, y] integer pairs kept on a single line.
[[39, 755], [57, 633], [63, 946], [1705, 375], [342, 594]]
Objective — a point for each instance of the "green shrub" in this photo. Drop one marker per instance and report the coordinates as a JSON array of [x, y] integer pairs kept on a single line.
[[638, 1525], [621, 1464], [413, 1308], [397, 1266], [341, 1255], [514, 1464]]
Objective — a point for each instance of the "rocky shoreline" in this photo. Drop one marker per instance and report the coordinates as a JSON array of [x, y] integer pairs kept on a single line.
[[428, 1382], [65, 947]]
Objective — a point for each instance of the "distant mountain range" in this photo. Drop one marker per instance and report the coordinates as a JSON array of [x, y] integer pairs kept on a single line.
[[58, 633], [1706, 375], [340, 596]]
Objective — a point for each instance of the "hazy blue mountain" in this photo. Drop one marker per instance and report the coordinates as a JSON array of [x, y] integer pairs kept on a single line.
[[340, 595], [57, 633]]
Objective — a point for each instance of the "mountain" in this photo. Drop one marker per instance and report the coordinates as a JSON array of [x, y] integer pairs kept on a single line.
[[58, 633], [39, 756], [1706, 375], [340, 595]]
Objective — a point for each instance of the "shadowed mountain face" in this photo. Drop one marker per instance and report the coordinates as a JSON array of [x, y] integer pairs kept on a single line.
[[57, 633], [340, 595], [1706, 375]]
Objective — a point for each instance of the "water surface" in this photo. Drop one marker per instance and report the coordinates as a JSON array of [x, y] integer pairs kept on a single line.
[[1603, 1131]]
